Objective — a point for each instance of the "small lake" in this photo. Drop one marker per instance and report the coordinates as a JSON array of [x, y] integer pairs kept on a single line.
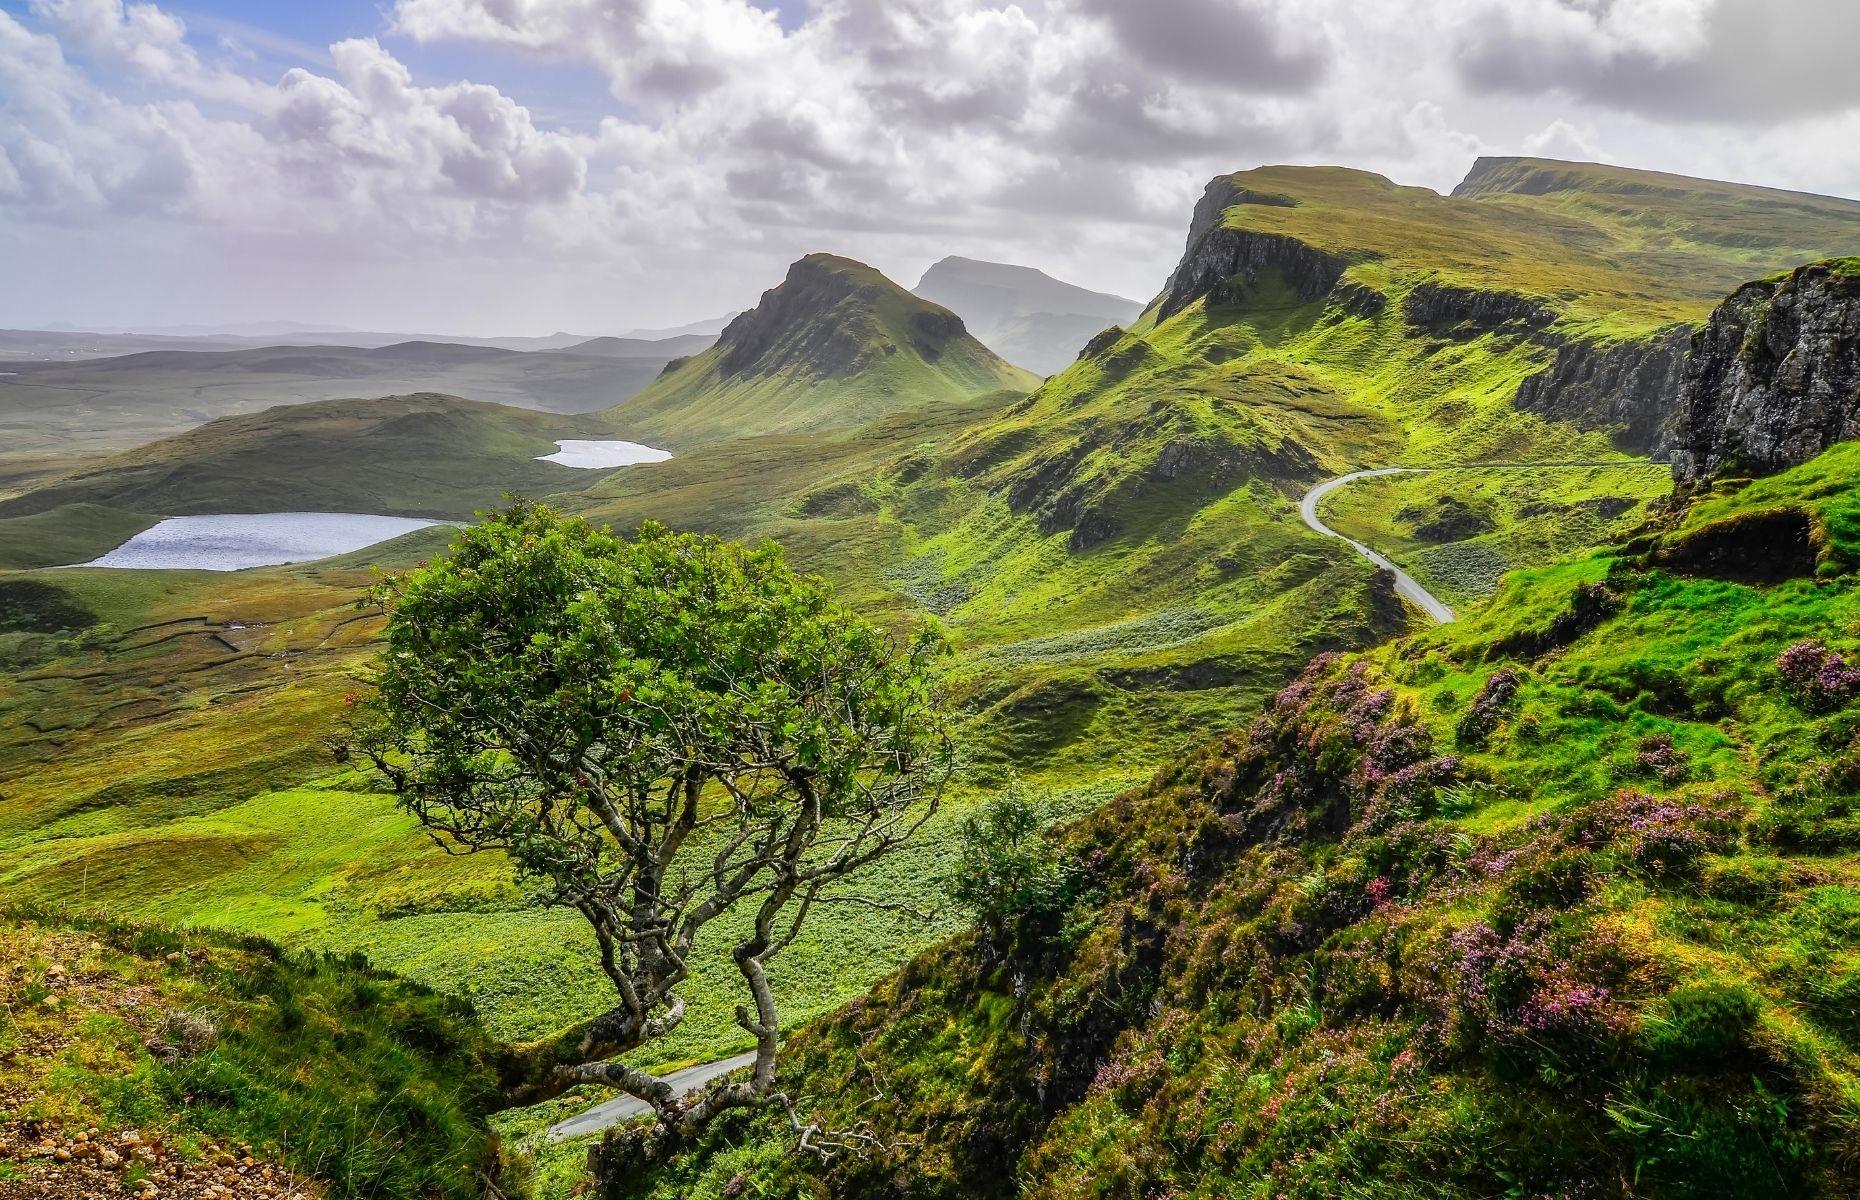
[[593, 455], [233, 542]]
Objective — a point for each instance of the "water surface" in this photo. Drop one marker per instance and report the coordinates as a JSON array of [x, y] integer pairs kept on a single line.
[[604, 454], [235, 541]]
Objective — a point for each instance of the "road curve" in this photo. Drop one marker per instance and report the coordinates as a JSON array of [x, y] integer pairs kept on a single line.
[[1404, 582], [623, 1108]]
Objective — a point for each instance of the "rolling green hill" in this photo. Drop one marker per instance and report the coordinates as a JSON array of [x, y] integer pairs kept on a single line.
[[835, 346], [423, 455]]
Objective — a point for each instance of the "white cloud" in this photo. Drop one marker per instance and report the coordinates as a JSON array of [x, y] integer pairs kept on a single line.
[[1068, 133]]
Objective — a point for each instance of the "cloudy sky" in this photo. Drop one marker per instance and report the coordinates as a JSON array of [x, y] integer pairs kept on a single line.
[[522, 166]]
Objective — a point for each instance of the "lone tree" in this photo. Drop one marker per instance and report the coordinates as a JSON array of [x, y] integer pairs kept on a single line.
[[660, 730]]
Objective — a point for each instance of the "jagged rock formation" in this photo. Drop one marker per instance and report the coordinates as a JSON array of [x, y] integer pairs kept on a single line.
[[1774, 376], [1216, 253], [1443, 307], [1630, 386]]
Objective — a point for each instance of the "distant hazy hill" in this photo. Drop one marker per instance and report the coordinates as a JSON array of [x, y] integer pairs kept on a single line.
[[835, 346], [709, 327], [1023, 314], [663, 349], [104, 404], [424, 455]]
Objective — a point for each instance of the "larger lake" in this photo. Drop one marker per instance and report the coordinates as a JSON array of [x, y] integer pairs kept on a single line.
[[235, 541]]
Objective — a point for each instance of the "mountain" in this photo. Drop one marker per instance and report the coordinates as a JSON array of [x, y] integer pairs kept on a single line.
[[1023, 314], [423, 455], [663, 349], [106, 404], [1119, 558], [834, 346]]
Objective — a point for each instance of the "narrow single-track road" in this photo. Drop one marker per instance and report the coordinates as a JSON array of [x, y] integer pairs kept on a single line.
[[1404, 582]]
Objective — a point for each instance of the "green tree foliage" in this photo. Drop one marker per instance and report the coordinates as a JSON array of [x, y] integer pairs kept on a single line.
[[657, 730], [1004, 867]]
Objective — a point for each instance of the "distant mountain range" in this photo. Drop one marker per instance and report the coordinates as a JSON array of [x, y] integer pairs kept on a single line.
[[1024, 315], [64, 345], [111, 403]]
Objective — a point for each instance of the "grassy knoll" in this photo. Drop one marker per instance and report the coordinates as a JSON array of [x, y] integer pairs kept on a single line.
[[1559, 899], [1458, 532], [133, 1053]]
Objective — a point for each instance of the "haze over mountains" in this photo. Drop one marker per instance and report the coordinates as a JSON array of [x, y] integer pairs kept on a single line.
[[1023, 314]]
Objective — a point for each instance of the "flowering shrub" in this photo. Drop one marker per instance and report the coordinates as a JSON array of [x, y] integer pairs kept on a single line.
[[1527, 986], [1658, 757], [1476, 727], [1820, 679], [1664, 837]]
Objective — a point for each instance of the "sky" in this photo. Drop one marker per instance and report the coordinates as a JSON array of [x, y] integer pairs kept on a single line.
[[524, 166]]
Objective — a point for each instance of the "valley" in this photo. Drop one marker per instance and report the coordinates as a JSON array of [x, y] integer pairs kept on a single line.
[[1397, 434]]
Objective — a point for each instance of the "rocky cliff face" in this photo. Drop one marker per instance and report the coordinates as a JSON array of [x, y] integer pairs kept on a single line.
[[1774, 377], [1630, 387], [1216, 254]]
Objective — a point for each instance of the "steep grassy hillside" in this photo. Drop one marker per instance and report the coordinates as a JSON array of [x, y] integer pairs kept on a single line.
[[424, 455], [1558, 900], [138, 1059], [835, 346]]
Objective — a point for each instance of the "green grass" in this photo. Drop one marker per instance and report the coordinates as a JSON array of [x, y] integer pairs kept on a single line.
[[1458, 532], [203, 1041], [424, 455]]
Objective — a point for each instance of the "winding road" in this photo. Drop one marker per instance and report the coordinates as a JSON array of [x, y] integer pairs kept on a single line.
[[1404, 582]]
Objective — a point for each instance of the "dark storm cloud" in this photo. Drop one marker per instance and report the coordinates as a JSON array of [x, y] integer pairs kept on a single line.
[[1759, 61]]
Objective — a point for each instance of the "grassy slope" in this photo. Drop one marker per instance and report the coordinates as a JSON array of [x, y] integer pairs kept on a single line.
[[1612, 250], [1600, 944], [421, 455], [198, 1044], [836, 346]]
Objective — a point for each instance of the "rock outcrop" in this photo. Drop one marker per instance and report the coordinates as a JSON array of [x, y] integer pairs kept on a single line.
[[1216, 253], [1773, 377], [1630, 388]]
